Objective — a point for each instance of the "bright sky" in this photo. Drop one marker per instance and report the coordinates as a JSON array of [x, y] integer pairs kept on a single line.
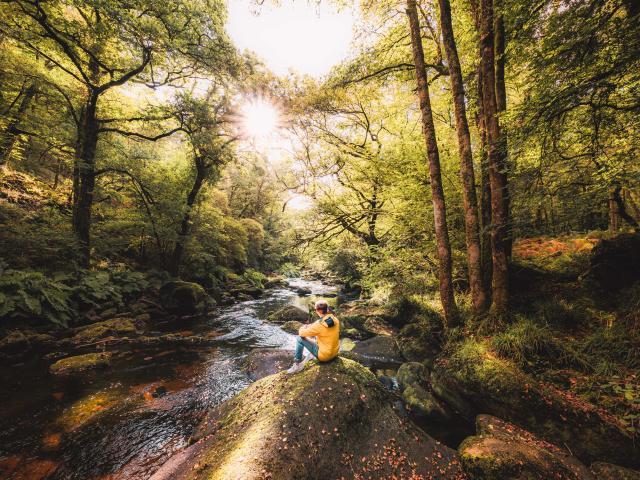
[[297, 34]]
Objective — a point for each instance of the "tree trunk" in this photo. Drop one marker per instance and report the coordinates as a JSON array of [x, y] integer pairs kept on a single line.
[[470, 201], [185, 225], [84, 178], [11, 133], [485, 198], [437, 193], [499, 215], [501, 104]]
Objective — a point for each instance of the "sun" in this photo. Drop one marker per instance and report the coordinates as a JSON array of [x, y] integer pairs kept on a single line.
[[260, 119]]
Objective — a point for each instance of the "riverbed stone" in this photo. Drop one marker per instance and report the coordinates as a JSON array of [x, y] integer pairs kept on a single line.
[[184, 298], [418, 341], [473, 380], [118, 327], [81, 363], [331, 420], [504, 451], [288, 313], [292, 326], [380, 350], [413, 383]]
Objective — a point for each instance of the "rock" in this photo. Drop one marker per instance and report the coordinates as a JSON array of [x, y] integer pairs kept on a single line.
[[273, 429], [346, 344], [377, 351], [115, 327], [184, 298], [80, 363], [292, 326], [274, 281], [413, 383], [608, 471], [353, 333], [143, 317], [303, 291], [288, 313], [503, 451], [615, 262], [263, 362], [472, 380], [377, 326], [19, 342], [160, 391], [418, 341], [245, 291]]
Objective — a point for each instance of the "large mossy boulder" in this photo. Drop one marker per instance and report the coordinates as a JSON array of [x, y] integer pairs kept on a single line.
[[288, 313], [418, 341], [377, 351], [329, 421], [473, 380], [503, 451], [615, 262], [117, 327], [80, 364], [184, 298], [414, 386]]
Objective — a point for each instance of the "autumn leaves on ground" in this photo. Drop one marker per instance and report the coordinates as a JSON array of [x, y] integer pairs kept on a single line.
[[463, 187]]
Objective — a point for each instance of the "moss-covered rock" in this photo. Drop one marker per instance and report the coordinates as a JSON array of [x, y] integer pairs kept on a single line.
[[292, 326], [121, 327], [18, 342], [410, 373], [473, 380], [378, 326], [288, 313], [413, 384], [346, 344], [418, 341], [184, 298], [608, 471], [331, 420], [503, 451], [380, 350], [80, 364]]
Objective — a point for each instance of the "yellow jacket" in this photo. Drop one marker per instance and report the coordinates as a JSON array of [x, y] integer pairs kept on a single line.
[[328, 337]]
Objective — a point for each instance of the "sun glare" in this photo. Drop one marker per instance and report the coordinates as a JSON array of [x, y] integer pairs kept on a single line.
[[259, 119]]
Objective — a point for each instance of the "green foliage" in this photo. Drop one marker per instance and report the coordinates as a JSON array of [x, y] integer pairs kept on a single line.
[[28, 296], [290, 270], [254, 278], [612, 346]]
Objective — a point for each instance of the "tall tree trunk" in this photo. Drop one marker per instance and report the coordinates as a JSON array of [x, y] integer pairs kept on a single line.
[[470, 201], [185, 224], [485, 197], [437, 193], [501, 104], [11, 132], [499, 215], [85, 181]]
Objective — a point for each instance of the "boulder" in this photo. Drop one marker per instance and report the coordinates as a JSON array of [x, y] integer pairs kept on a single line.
[[80, 364], [274, 281], [19, 342], [473, 380], [413, 384], [292, 326], [608, 471], [503, 451], [288, 313], [263, 362], [353, 333], [184, 298], [378, 326], [378, 351], [331, 420], [615, 262], [120, 327], [303, 291], [346, 344]]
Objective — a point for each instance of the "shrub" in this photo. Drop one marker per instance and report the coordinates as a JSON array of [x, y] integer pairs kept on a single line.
[[254, 278], [289, 270]]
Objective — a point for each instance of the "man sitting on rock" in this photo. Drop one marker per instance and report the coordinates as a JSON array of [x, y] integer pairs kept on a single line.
[[326, 330]]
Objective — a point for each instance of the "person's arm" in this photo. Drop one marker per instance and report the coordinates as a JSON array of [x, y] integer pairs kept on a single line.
[[311, 330]]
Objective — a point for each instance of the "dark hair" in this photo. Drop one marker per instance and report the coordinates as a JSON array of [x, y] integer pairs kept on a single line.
[[322, 306]]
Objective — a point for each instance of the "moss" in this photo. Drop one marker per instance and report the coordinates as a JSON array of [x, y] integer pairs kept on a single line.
[[288, 313], [80, 363], [117, 326], [410, 373], [87, 408], [292, 326], [184, 297]]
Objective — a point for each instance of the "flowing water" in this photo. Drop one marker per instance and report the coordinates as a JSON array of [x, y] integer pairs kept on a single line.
[[124, 422]]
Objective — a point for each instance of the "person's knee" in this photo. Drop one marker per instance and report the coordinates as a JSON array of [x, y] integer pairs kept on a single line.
[[299, 339]]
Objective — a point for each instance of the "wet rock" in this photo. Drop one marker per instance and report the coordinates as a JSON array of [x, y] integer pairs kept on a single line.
[[115, 327], [288, 313], [292, 326], [504, 451], [608, 471], [263, 362], [615, 262], [353, 333], [471, 380], [303, 291], [22, 341], [346, 344], [80, 364], [379, 350], [245, 291], [275, 281], [413, 383], [378, 326], [160, 391], [184, 298], [331, 420]]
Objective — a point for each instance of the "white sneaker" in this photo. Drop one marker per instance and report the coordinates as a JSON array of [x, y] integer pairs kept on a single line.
[[296, 367]]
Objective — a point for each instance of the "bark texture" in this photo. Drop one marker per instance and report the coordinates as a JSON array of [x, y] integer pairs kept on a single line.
[[437, 193], [467, 175]]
